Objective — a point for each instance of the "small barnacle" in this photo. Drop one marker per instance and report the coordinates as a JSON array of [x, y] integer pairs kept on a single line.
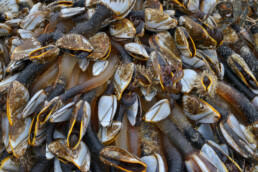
[[144, 77], [206, 84]]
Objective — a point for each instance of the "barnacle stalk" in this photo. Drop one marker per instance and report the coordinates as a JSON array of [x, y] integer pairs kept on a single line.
[[240, 86], [238, 101], [193, 159], [92, 82], [173, 156], [180, 119]]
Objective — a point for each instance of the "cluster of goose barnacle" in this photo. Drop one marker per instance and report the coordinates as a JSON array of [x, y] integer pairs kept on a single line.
[[101, 85]]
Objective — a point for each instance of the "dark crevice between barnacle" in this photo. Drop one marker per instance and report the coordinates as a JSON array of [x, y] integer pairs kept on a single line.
[[139, 26], [42, 164], [58, 89], [68, 167], [79, 3], [2, 17], [3, 155], [124, 56], [139, 15], [173, 157]]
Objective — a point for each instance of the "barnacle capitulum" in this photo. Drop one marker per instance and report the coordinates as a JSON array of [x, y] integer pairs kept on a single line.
[[44, 54], [78, 124], [238, 137], [157, 21], [158, 111], [101, 46], [75, 44], [107, 85], [23, 51], [121, 159], [184, 42], [154, 162], [137, 51], [106, 109], [199, 110], [122, 29], [122, 78], [206, 84]]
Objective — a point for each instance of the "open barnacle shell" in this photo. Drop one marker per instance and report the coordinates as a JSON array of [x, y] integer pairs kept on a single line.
[[143, 76], [206, 84], [99, 66], [48, 109], [199, 162], [121, 159], [158, 111], [23, 51], [164, 43], [239, 138], [154, 162], [10, 163], [80, 156], [199, 110], [18, 136], [122, 78], [106, 109], [157, 21], [101, 46], [122, 29], [199, 35], [75, 44], [108, 134], [44, 54], [240, 68], [32, 105], [78, 123], [188, 80], [137, 51], [37, 132], [184, 42], [17, 98]]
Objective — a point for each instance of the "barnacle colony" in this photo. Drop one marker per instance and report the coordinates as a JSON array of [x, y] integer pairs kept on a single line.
[[126, 85]]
